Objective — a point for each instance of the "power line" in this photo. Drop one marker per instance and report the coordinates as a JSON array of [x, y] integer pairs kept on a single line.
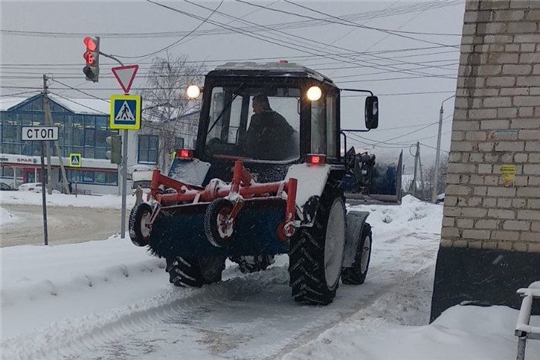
[[176, 42], [404, 94], [309, 49], [434, 148], [78, 103], [82, 92], [17, 94], [405, 9], [348, 23]]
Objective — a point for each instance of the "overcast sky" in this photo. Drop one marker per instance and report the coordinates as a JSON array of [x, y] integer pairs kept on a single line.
[[406, 52]]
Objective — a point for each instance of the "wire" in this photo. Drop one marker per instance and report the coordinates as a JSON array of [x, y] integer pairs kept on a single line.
[[403, 135], [82, 92], [349, 23], [305, 58], [295, 42], [434, 148], [404, 94], [177, 41], [78, 103], [405, 9], [19, 93], [391, 31]]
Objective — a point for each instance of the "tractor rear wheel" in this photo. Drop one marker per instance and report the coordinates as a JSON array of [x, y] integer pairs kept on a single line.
[[356, 274], [316, 254], [195, 271]]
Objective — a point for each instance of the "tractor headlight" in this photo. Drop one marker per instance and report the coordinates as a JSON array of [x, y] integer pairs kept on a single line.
[[314, 93], [193, 91]]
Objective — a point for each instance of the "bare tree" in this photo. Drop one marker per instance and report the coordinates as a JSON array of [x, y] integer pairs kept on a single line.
[[166, 107], [429, 174]]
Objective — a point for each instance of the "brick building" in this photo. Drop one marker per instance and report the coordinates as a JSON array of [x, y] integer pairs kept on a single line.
[[490, 242]]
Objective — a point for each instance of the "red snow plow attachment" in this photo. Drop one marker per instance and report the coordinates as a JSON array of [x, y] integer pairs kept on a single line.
[[223, 202]]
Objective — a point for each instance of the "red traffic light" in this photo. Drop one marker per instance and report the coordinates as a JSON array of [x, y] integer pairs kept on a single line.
[[88, 57], [89, 43]]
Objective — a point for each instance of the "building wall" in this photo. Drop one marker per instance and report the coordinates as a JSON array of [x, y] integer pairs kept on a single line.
[[491, 224]]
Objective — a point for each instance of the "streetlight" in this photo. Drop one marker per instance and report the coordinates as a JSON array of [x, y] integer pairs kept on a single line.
[[437, 157]]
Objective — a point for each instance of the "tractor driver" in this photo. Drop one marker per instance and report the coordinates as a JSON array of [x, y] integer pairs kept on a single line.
[[269, 137]]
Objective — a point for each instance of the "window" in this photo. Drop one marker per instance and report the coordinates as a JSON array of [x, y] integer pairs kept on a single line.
[[148, 149], [274, 135], [92, 177], [318, 127], [331, 126], [178, 143]]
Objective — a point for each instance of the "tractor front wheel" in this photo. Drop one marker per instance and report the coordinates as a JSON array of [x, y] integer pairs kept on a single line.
[[216, 227], [356, 274], [139, 224]]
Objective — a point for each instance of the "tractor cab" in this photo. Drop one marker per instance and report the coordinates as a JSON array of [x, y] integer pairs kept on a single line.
[[305, 101]]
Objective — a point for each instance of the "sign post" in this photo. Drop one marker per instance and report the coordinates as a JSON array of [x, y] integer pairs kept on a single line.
[[41, 133], [125, 115]]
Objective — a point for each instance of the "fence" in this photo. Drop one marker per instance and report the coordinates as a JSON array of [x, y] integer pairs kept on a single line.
[[523, 330]]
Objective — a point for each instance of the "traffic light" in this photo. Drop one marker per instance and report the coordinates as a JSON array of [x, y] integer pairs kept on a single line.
[[91, 55], [115, 151]]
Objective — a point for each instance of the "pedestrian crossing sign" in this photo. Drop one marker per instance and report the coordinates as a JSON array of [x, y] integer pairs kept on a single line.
[[125, 112], [75, 160]]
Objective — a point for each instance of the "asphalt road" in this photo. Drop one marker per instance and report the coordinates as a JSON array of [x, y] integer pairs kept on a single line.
[[65, 225]]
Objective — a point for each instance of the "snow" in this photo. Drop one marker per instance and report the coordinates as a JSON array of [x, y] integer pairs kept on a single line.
[[62, 300], [78, 106], [83, 106], [8, 102]]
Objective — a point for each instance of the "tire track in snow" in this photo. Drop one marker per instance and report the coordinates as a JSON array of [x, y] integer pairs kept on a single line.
[[422, 266], [69, 338], [142, 328]]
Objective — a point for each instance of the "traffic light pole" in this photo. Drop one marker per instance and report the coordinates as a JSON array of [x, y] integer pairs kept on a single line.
[[111, 57], [124, 184]]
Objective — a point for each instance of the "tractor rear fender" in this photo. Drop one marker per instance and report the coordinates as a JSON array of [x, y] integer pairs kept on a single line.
[[311, 182], [355, 223]]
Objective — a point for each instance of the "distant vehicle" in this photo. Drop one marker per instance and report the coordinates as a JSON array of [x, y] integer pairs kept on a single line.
[[34, 187], [143, 179], [439, 199], [6, 187]]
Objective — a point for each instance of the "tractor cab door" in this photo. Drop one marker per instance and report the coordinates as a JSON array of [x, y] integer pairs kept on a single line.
[[324, 124]]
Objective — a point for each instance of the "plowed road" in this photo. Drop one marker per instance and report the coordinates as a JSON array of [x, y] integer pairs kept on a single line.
[[65, 225]]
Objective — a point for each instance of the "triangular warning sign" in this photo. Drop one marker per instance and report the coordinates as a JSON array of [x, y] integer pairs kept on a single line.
[[125, 113], [125, 75]]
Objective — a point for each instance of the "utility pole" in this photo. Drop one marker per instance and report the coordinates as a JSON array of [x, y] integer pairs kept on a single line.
[[421, 172], [435, 190], [47, 145], [48, 122], [416, 157]]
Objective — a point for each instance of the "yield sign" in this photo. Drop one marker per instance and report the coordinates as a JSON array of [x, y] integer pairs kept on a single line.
[[125, 76]]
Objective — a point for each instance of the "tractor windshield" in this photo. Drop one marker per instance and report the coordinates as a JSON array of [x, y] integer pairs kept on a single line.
[[254, 123]]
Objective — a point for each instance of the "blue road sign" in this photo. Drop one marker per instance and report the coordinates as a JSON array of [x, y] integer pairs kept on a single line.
[[125, 112]]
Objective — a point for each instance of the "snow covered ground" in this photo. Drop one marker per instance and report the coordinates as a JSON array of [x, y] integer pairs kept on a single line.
[[69, 301]]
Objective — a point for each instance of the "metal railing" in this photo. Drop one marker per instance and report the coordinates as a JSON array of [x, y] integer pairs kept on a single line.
[[523, 330]]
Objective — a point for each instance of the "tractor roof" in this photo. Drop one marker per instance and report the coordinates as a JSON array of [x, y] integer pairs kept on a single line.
[[274, 69]]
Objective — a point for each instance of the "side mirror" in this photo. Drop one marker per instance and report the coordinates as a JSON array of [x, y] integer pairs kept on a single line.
[[372, 112]]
